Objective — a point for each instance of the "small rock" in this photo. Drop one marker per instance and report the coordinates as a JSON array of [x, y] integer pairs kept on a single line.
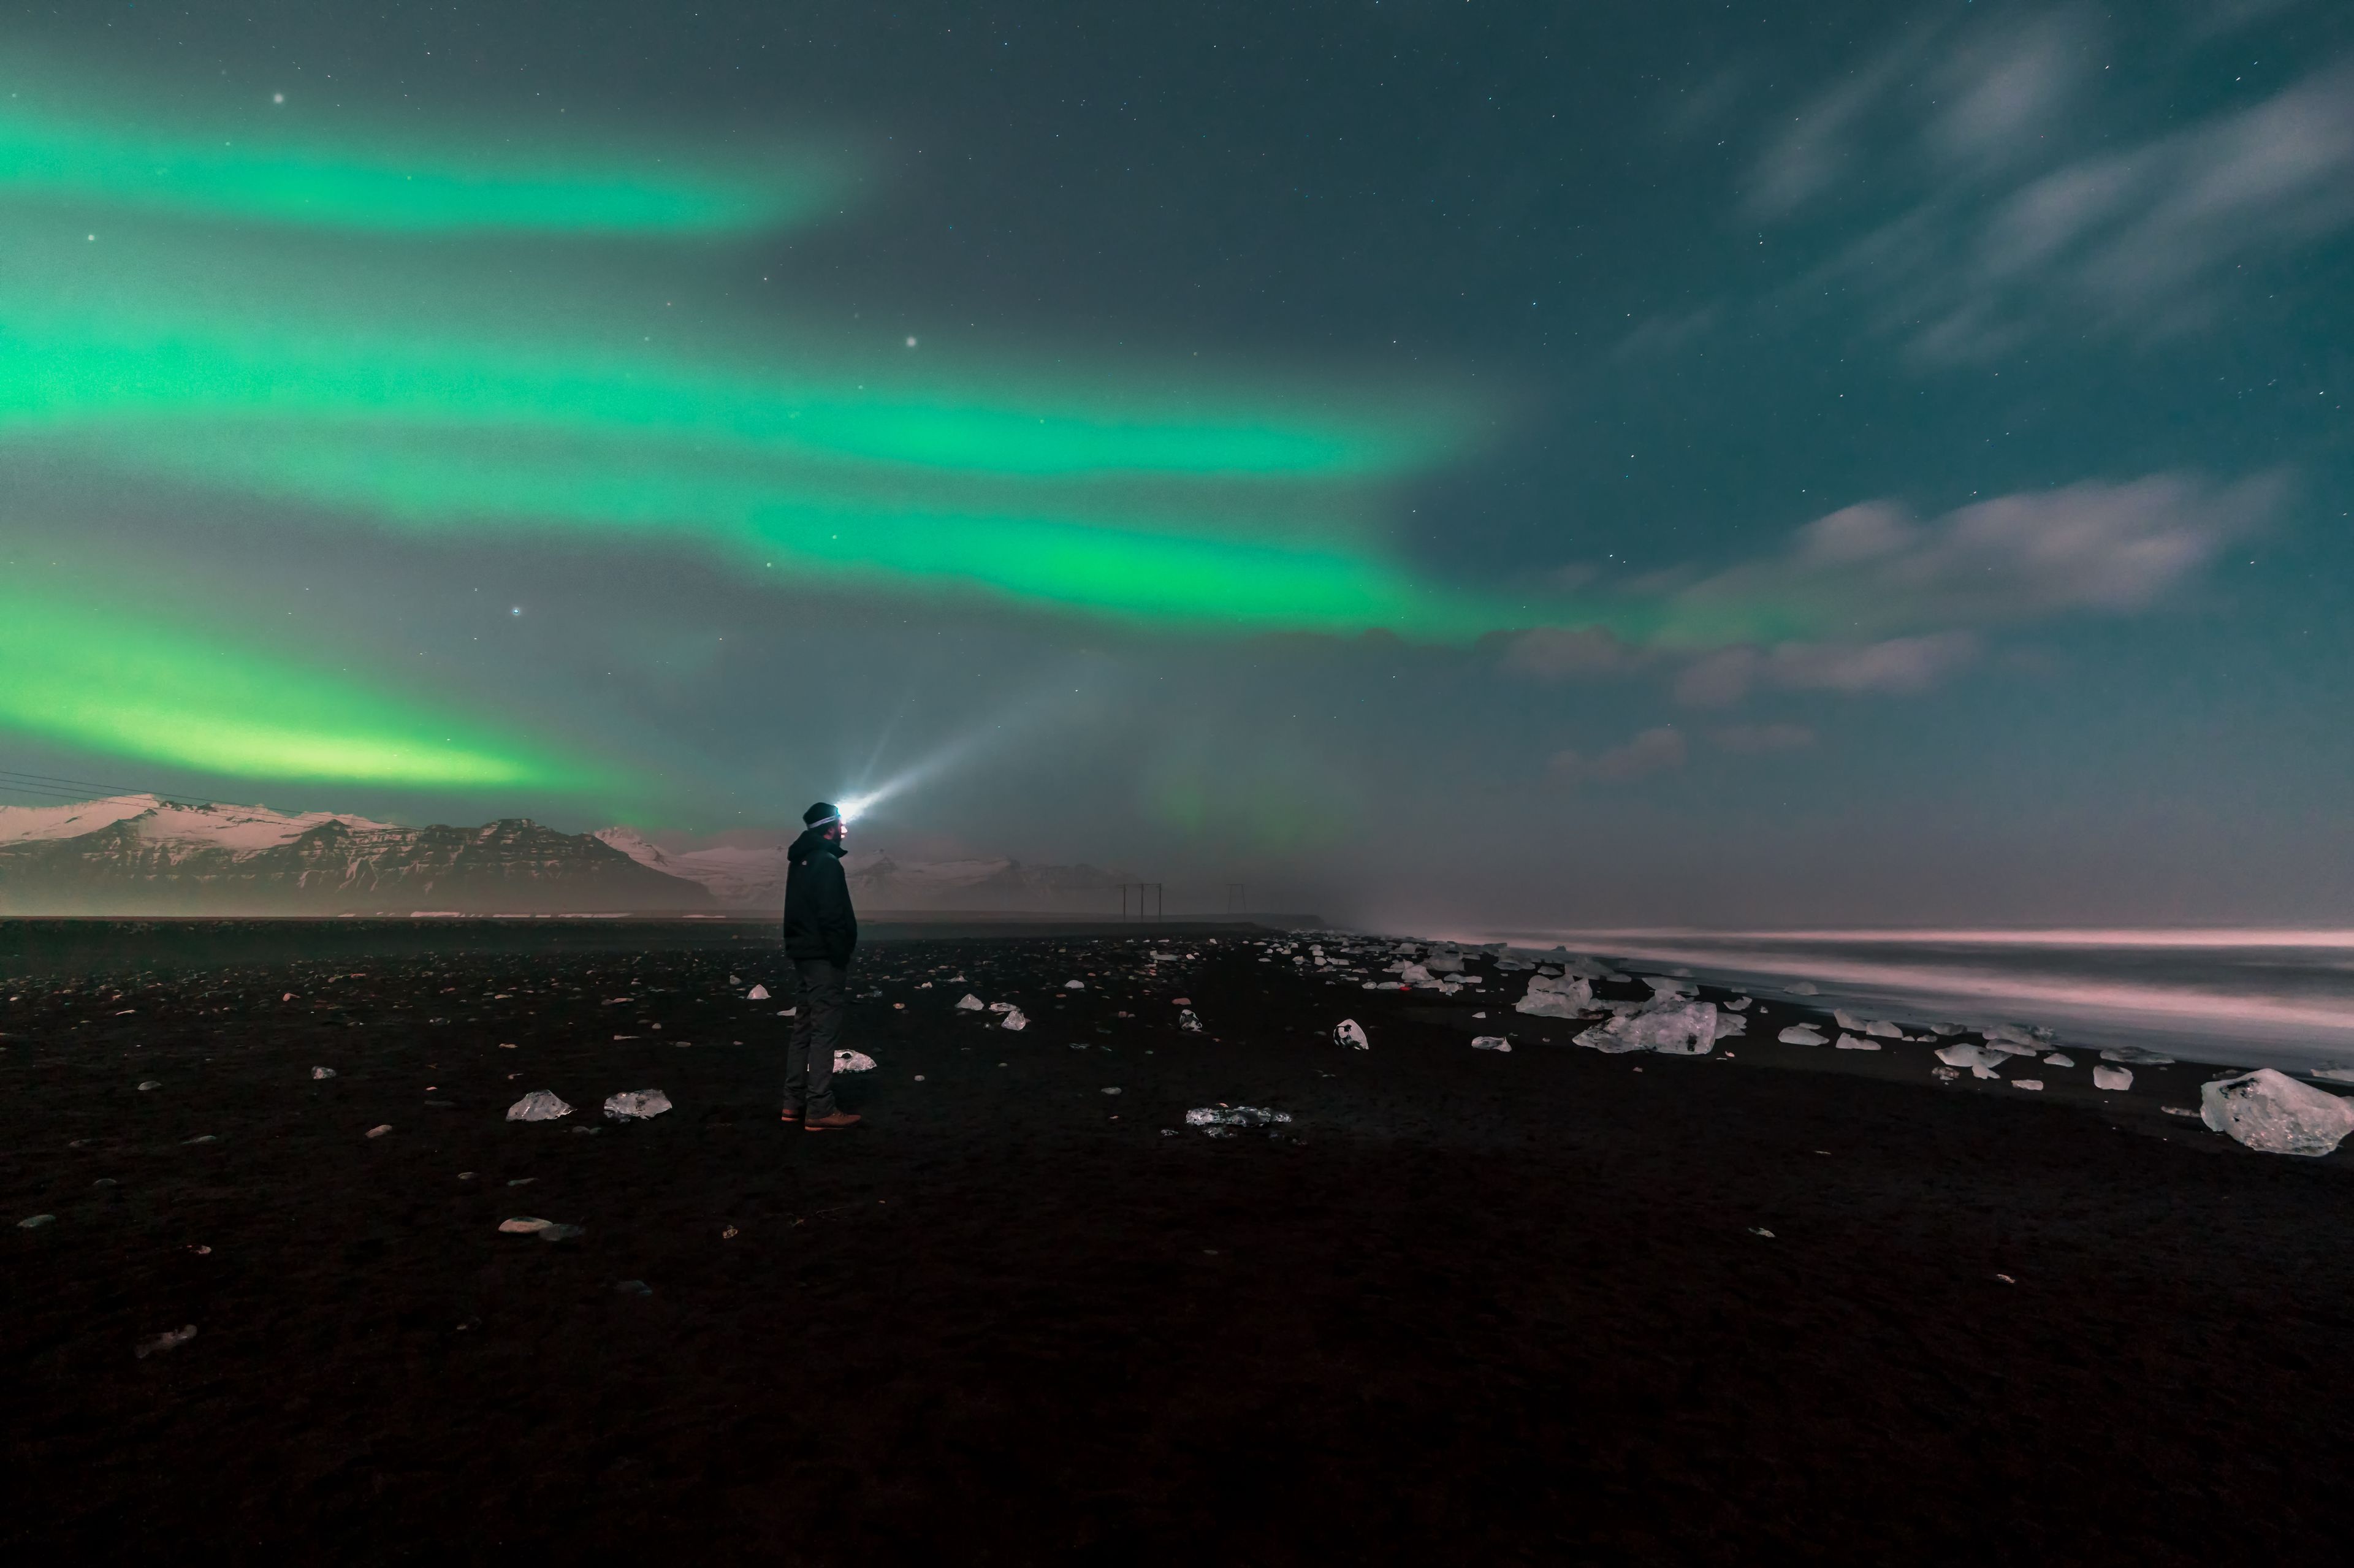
[[1075, 985], [318, 1073]]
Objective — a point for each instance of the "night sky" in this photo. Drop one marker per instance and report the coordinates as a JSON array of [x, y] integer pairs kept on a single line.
[[1433, 463]]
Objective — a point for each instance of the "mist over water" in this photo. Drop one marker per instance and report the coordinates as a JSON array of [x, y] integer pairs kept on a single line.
[[2253, 997]]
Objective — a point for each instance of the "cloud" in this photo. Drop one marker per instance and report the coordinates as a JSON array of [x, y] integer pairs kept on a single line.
[[1897, 665], [2003, 237], [1653, 751], [1755, 738], [1556, 652], [2113, 547]]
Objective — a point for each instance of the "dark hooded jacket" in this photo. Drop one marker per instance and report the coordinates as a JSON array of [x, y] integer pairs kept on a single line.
[[819, 921]]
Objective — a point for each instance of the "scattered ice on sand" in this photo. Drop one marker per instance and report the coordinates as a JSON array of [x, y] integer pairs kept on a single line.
[[971, 1004], [2036, 1084], [171, 1338], [1686, 1031], [1235, 1116], [1556, 996], [2273, 1114], [1187, 1021], [1075, 985], [540, 1105], [1803, 988], [1351, 1034], [637, 1105], [1969, 1056], [2118, 1078], [2136, 1056], [758, 993], [1739, 1003], [1881, 1029], [1729, 1024], [1013, 1019], [34, 1222], [1801, 1035], [1981, 1072], [1491, 1043], [380, 1129], [2058, 1060], [1442, 964], [1944, 1029], [1411, 974], [317, 1073], [1669, 988], [1855, 1043], [853, 1062], [1846, 1020], [2333, 1073]]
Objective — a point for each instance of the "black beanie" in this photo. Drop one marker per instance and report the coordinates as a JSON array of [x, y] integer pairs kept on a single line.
[[817, 814]]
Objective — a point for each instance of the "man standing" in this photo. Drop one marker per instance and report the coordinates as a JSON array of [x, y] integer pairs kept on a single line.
[[820, 931]]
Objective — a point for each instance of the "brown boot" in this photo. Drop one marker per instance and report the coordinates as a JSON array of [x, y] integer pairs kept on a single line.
[[832, 1123]]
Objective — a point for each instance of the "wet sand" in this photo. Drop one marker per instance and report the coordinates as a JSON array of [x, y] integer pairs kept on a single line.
[[1466, 1307]]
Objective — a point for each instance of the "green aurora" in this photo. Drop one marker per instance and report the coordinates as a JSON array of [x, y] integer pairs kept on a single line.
[[91, 671], [330, 378]]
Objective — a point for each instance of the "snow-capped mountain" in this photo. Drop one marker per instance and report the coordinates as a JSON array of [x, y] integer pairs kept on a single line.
[[754, 879], [140, 854]]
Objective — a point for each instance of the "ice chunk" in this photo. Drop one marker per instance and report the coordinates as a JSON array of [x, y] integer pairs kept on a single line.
[[758, 993], [540, 1105], [2057, 1060], [1075, 985], [1881, 1029], [1235, 1116], [2027, 1084], [2334, 1074], [1187, 1021], [2136, 1056], [1802, 988], [637, 1105], [524, 1226], [1413, 974], [1442, 964], [1164, 958], [1351, 1034], [1013, 1019], [1729, 1024], [853, 1062], [1556, 998], [1855, 1043], [1846, 1020], [170, 1339], [1491, 1043], [1801, 1035], [1976, 1058], [2117, 1078], [1739, 1003], [1669, 988], [1686, 1031], [2012, 1048], [2273, 1114], [971, 1004], [1001, 1007], [34, 1222], [318, 1073]]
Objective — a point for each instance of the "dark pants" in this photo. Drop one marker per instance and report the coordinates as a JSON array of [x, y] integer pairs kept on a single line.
[[818, 1004]]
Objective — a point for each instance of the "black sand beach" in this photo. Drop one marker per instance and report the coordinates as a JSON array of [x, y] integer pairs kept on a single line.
[[1465, 1307]]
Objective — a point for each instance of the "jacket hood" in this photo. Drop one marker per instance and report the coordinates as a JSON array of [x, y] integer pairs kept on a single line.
[[809, 844]]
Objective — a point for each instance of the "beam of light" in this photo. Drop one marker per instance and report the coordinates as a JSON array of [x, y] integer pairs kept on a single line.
[[89, 671], [112, 146]]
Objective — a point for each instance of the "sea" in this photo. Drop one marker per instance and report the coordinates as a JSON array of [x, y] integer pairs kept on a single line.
[[2279, 999]]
